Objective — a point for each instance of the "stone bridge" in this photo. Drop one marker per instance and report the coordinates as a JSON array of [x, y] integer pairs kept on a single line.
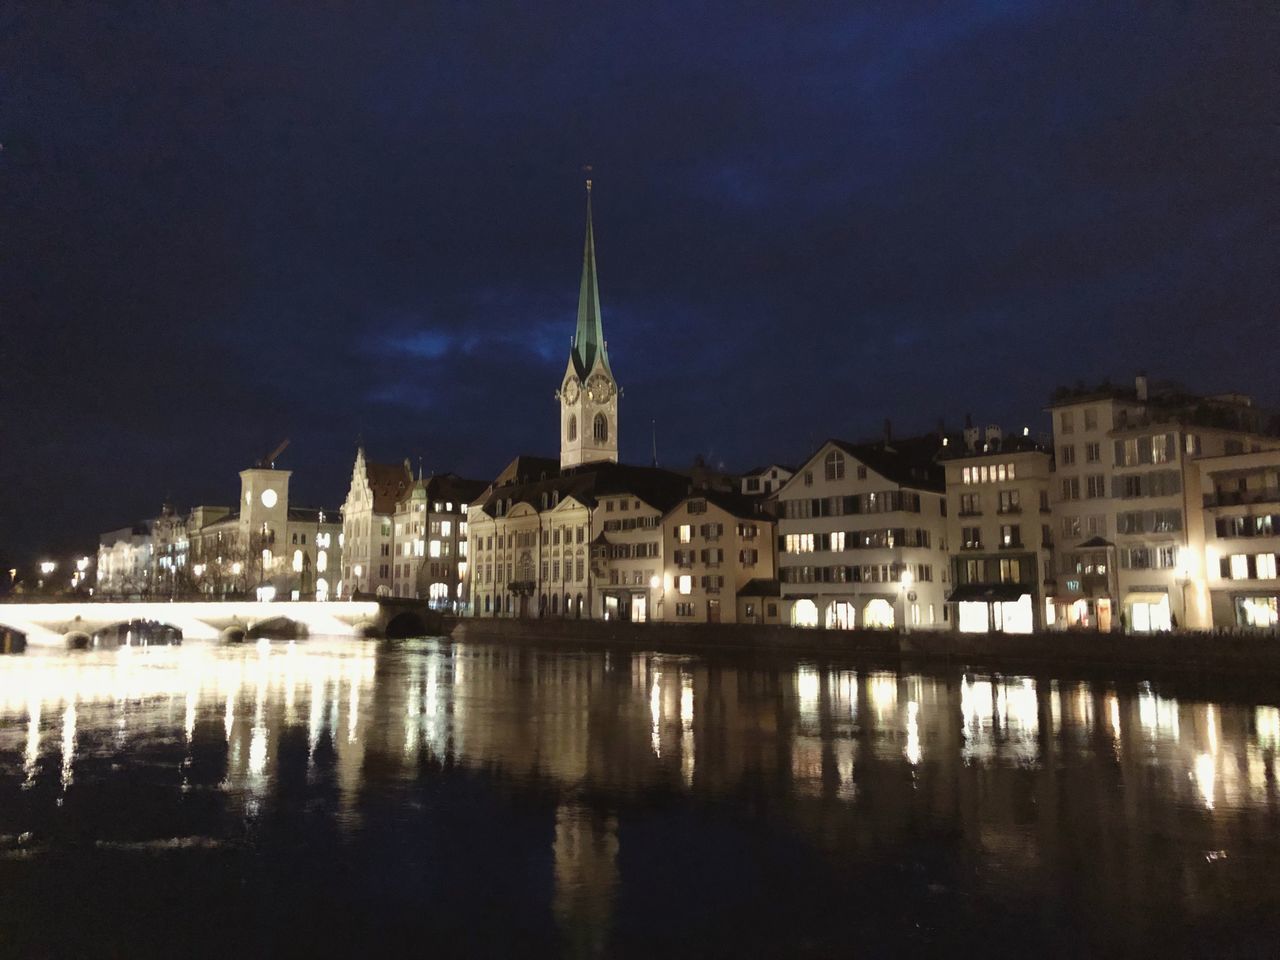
[[78, 623]]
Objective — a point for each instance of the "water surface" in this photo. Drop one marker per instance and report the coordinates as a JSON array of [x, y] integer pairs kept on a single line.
[[332, 797]]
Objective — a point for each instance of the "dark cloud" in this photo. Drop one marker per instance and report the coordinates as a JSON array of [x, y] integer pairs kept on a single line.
[[225, 224]]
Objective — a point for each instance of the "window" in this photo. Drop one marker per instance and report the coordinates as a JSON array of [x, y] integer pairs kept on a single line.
[[686, 584], [862, 472], [1066, 421], [1239, 566], [834, 465], [684, 533], [1071, 488], [600, 429], [1067, 454], [808, 478], [684, 609], [1096, 526], [970, 504], [1010, 502], [972, 537], [1071, 527], [1010, 535], [1010, 570], [1092, 452], [1266, 563], [1096, 486], [837, 540], [1090, 419], [573, 426]]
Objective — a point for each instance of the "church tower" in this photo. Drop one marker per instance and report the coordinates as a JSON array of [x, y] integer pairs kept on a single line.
[[588, 393]]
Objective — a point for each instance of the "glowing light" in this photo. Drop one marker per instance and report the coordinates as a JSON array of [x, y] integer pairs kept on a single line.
[[1205, 776], [912, 750], [68, 742], [653, 582], [235, 568], [269, 498], [47, 567], [322, 561], [655, 715]]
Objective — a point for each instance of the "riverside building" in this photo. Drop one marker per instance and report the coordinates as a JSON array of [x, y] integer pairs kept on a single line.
[[1128, 496], [862, 538], [999, 529]]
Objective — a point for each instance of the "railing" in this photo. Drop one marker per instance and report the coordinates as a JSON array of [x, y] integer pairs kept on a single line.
[[1239, 498]]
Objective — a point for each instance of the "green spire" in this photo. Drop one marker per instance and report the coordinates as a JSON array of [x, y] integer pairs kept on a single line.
[[588, 341]]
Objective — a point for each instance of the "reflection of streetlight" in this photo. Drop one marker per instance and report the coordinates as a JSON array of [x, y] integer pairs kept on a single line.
[[908, 578], [47, 567], [82, 564]]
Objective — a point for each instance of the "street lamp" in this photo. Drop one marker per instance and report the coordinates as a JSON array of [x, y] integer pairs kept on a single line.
[[908, 578]]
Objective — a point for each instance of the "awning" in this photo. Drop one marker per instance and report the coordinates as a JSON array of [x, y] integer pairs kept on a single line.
[[1146, 597], [988, 593]]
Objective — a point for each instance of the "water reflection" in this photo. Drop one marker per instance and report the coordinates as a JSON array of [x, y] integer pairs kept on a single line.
[[1017, 776]]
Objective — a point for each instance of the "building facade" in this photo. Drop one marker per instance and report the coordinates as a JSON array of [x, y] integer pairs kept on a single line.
[[1241, 495], [368, 526], [429, 540], [1127, 501], [715, 544], [861, 537], [999, 530]]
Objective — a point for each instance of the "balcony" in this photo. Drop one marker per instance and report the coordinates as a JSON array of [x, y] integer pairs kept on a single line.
[[971, 545], [1006, 511], [1011, 545], [969, 513], [1240, 498]]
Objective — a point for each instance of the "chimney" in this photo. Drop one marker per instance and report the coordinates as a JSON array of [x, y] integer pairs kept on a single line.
[[1140, 386]]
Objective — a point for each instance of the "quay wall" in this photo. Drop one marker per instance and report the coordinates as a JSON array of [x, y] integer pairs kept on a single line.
[[1180, 652]]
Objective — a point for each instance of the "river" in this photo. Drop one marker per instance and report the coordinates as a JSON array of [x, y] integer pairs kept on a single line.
[[335, 797]]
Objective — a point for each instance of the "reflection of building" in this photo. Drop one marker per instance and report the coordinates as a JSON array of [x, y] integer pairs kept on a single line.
[[861, 536], [586, 877], [1127, 499], [999, 533], [1242, 538]]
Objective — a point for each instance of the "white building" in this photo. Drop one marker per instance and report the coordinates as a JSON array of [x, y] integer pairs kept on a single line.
[[1127, 500], [429, 539], [1241, 519], [862, 538], [368, 526]]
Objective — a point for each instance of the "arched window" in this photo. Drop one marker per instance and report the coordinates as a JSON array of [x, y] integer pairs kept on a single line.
[[600, 428], [573, 426], [835, 465]]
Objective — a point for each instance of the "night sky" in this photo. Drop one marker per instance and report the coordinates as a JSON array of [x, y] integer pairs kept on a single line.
[[223, 224]]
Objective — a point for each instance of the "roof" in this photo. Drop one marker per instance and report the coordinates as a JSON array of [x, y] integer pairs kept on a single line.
[[734, 504], [755, 471], [659, 488], [388, 483], [313, 515], [447, 488], [1094, 543], [909, 462], [761, 588], [588, 339]]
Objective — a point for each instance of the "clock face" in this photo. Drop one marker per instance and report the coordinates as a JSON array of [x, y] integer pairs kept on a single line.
[[599, 389], [268, 498], [570, 391]]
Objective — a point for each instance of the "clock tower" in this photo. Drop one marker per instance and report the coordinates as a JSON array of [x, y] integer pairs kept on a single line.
[[588, 393]]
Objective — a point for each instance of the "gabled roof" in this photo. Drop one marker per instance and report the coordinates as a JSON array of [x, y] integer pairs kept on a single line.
[[388, 483], [734, 504], [907, 462], [587, 484], [760, 588]]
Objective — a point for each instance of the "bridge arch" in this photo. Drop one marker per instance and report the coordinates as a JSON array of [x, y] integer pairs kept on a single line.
[[406, 623], [136, 631], [276, 628]]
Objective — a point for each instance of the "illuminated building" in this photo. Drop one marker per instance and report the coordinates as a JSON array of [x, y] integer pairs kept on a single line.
[[588, 394], [762, 481], [429, 545], [1242, 538], [862, 536], [368, 518], [999, 532], [1127, 499], [265, 547], [715, 544]]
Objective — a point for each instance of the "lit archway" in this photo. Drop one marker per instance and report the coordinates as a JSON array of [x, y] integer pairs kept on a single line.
[[878, 614], [804, 613], [841, 615]]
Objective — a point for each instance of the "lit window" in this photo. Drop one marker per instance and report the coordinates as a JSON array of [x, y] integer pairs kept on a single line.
[[435, 548], [685, 532], [322, 562], [446, 528], [1239, 566], [1266, 566], [686, 584], [297, 561]]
